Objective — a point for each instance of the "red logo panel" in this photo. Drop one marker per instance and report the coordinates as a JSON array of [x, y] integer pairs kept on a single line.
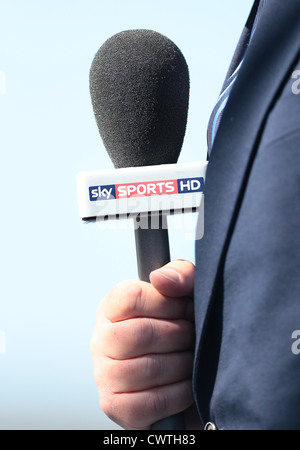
[[146, 188]]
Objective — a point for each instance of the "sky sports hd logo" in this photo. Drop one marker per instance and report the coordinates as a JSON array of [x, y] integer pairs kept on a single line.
[[146, 189]]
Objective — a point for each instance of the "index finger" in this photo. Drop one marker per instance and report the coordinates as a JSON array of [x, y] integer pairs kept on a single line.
[[136, 298]]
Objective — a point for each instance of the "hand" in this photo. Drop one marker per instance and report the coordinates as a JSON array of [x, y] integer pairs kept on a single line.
[[142, 348]]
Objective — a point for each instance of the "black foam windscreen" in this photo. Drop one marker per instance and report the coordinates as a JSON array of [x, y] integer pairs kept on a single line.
[[139, 84]]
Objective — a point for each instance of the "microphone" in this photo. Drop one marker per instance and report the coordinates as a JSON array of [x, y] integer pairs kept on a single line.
[[139, 85]]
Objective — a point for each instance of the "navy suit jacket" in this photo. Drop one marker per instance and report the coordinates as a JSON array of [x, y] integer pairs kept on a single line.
[[247, 286]]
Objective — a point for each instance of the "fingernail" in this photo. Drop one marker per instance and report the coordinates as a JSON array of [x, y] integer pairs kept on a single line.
[[168, 274]]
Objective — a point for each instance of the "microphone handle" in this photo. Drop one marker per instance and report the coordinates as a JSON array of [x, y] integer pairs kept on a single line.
[[153, 252]]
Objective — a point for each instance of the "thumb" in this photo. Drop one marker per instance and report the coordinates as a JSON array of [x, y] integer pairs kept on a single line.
[[175, 279]]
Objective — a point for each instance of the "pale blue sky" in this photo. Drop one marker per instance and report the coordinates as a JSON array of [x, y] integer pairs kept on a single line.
[[54, 269]]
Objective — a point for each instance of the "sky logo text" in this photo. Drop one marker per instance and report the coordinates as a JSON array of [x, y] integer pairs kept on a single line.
[[146, 189]]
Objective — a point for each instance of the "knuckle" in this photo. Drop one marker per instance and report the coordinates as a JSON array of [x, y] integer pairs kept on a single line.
[[131, 299], [104, 341], [124, 300], [111, 339], [102, 373]]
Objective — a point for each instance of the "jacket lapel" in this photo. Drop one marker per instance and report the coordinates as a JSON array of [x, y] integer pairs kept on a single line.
[[267, 65]]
